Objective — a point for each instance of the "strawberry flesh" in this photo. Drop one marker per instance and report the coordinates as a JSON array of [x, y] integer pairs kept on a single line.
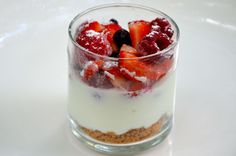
[[94, 25], [110, 30], [91, 68], [138, 29], [134, 69], [118, 80], [93, 75]]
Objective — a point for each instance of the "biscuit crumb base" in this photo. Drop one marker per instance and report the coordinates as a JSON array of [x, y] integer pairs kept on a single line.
[[130, 136]]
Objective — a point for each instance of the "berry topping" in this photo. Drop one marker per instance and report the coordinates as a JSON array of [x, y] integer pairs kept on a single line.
[[94, 25], [90, 69], [95, 42], [93, 75], [122, 37], [119, 81], [164, 25], [134, 69], [162, 22], [129, 72], [110, 30], [138, 29], [147, 46], [112, 20], [163, 41], [153, 42]]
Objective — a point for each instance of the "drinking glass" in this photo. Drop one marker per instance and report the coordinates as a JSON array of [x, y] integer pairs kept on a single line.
[[134, 116]]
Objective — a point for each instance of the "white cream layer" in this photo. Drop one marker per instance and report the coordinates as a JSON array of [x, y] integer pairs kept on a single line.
[[109, 110]]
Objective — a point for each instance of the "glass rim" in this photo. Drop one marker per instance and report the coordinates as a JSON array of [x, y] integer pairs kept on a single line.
[[166, 50]]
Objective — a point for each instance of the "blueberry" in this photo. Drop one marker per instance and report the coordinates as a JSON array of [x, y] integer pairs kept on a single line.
[[113, 21], [121, 37], [115, 54]]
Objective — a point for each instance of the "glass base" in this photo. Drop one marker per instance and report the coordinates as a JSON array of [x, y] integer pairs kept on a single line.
[[121, 149]]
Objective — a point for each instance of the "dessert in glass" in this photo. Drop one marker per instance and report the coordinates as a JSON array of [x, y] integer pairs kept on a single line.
[[122, 61]]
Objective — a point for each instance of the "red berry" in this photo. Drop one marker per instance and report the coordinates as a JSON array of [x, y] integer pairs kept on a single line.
[[112, 72], [167, 64], [110, 30], [164, 66], [148, 45], [94, 25], [162, 22], [118, 80], [128, 49], [153, 42], [138, 29], [164, 25], [136, 70], [168, 31], [93, 75], [163, 41], [95, 42], [91, 68]]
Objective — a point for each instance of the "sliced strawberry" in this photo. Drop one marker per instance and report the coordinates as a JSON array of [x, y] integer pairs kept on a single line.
[[119, 81], [123, 83], [136, 86], [95, 42], [166, 64], [136, 70], [93, 75], [112, 72], [94, 25], [138, 29], [110, 30], [99, 63], [129, 49], [91, 68], [111, 69]]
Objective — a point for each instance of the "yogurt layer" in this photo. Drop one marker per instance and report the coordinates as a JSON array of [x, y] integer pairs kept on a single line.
[[112, 110]]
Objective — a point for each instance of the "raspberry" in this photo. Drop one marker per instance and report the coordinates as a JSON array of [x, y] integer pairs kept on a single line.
[[163, 41], [164, 25], [95, 42], [153, 42], [148, 45]]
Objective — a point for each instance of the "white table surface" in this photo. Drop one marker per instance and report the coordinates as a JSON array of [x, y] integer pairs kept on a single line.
[[33, 79]]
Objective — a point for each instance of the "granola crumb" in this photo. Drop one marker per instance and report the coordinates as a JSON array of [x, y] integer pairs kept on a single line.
[[130, 136]]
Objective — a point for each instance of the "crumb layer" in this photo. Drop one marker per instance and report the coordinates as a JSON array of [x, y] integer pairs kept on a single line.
[[130, 136]]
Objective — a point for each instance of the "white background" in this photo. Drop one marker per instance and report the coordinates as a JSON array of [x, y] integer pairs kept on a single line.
[[33, 78]]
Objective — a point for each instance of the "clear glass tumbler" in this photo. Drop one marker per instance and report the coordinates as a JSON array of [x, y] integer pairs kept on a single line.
[[111, 114]]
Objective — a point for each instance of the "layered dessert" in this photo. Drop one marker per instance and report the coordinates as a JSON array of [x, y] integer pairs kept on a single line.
[[122, 82]]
